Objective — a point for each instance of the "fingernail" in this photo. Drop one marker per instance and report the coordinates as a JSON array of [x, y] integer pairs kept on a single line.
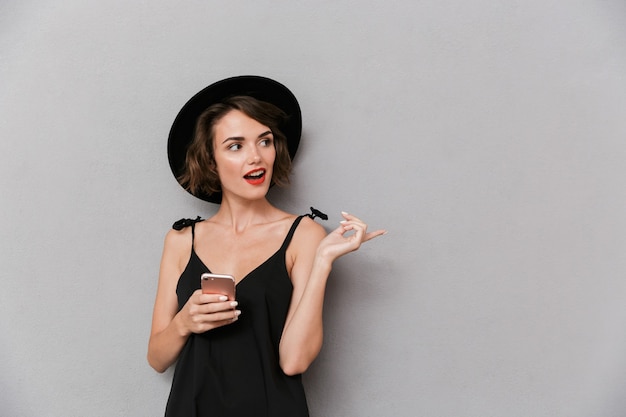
[[343, 221], [344, 212], [237, 313], [234, 304], [223, 298]]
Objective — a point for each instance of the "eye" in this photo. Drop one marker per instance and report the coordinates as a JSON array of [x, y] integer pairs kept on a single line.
[[266, 142], [234, 147]]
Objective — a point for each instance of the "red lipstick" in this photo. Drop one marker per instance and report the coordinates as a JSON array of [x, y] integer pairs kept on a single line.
[[255, 177]]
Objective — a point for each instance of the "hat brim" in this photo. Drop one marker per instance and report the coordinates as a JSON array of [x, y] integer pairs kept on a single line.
[[261, 88]]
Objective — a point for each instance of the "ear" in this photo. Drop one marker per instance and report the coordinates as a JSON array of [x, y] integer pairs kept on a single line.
[[215, 173]]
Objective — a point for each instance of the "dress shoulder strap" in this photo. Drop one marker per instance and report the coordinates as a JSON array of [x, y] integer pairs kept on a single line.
[[292, 230]]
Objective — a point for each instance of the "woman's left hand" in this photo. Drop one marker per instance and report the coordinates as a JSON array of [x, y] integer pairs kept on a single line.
[[338, 242]]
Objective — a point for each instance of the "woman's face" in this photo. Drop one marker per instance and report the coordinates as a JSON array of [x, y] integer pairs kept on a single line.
[[244, 155]]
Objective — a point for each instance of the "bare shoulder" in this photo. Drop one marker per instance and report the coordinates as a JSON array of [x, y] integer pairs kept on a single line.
[[308, 234], [309, 226], [178, 239], [302, 249], [177, 247]]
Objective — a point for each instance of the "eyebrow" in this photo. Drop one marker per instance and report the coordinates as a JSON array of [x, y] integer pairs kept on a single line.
[[235, 138]]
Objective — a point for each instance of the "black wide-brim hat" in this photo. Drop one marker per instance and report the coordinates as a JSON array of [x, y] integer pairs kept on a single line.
[[261, 88]]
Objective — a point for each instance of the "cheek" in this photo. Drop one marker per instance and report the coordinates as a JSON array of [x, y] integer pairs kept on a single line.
[[223, 167], [224, 160]]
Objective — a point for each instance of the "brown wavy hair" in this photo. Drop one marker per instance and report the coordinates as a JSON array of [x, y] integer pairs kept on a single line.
[[200, 171]]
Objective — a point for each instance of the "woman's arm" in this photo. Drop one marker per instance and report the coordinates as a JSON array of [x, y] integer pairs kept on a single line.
[[202, 312], [303, 333]]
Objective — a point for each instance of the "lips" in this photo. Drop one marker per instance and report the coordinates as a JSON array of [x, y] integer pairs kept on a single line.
[[255, 177]]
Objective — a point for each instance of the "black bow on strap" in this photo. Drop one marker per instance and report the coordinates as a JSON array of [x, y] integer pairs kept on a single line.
[[182, 223], [316, 213]]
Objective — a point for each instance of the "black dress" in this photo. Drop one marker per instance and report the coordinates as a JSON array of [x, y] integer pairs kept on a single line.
[[233, 371]]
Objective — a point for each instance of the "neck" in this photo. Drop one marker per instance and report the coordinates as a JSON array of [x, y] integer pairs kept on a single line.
[[239, 214]]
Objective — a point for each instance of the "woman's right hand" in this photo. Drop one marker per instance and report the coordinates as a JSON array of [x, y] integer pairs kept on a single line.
[[204, 312]]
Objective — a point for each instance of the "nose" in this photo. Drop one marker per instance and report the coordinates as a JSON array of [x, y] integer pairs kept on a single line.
[[254, 156]]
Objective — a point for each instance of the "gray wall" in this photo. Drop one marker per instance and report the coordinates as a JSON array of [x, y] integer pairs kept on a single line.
[[487, 136]]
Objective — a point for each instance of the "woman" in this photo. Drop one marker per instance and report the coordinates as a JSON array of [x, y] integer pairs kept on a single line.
[[243, 357]]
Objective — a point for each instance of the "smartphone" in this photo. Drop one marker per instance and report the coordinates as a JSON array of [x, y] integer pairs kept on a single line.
[[218, 284]]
